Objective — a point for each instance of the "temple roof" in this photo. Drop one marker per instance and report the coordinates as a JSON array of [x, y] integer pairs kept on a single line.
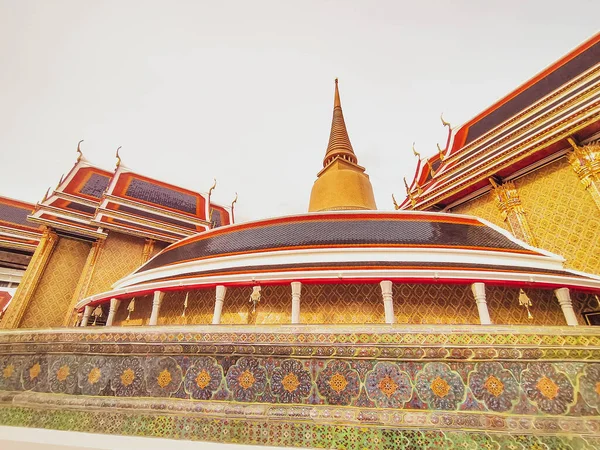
[[16, 232], [524, 129], [89, 200], [362, 246]]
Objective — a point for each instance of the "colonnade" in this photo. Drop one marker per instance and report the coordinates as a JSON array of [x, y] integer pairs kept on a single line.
[[562, 295]]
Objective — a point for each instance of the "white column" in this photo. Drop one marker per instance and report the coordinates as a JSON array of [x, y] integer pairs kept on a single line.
[[114, 306], [156, 301], [219, 299], [87, 312], [296, 289], [479, 294], [388, 302], [564, 299]]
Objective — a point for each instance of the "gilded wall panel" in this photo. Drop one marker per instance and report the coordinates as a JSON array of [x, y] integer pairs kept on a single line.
[[50, 302], [584, 302], [236, 305], [484, 207], [140, 314], [200, 307], [562, 215], [503, 304], [430, 304], [120, 256], [340, 303]]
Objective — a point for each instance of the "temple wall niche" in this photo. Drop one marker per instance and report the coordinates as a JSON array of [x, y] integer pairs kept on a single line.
[[562, 215], [434, 304], [50, 302], [503, 304], [483, 207], [120, 255], [140, 314]]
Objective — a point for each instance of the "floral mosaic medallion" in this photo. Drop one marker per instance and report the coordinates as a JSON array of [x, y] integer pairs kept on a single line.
[[246, 379], [589, 385], [494, 385], [291, 382], [163, 377], [10, 372], [62, 375], [550, 390], [388, 386], [94, 374], [35, 373], [128, 377], [439, 386], [338, 383], [203, 378]]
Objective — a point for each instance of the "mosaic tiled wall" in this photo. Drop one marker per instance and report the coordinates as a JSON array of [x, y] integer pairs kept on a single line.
[[50, 302], [325, 387], [120, 256], [201, 304], [142, 309], [430, 303], [562, 215], [484, 207]]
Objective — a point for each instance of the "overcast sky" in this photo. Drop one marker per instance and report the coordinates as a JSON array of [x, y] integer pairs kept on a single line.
[[243, 90]]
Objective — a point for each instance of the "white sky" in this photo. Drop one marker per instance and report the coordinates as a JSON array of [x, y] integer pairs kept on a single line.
[[243, 90]]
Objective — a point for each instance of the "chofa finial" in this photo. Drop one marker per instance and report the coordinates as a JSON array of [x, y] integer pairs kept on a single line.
[[396, 207], [234, 201], [118, 157], [212, 187], [416, 153], [446, 124], [80, 154]]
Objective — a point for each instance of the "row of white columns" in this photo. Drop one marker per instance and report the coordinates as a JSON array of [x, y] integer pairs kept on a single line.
[[562, 294]]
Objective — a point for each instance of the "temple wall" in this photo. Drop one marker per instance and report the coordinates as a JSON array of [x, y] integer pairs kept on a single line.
[[340, 303], [120, 255], [562, 215], [503, 304], [483, 207], [51, 299], [328, 386], [201, 304], [434, 303], [140, 314]]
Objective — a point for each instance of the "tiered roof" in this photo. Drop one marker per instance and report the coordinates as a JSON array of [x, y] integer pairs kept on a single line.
[[526, 128], [16, 232], [89, 201]]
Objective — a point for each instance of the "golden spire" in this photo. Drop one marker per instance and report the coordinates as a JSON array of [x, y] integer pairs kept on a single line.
[[339, 142], [342, 184]]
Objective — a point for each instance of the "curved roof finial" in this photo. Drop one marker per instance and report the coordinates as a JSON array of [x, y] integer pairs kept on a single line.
[[234, 201], [46, 195], [118, 157], [416, 153], [440, 152], [396, 207], [80, 153], [212, 187], [446, 124]]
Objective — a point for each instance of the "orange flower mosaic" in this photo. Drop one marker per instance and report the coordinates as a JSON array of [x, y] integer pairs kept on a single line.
[[35, 370], [290, 382], [62, 373], [246, 379], [94, 375], [127, 376], [203, 379], [388, 386], [338, 382], [440, 387], [494, 386], [547, 387], [8, 371], [164, 378]]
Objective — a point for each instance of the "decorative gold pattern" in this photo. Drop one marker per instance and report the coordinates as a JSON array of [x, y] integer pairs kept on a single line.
[[35, 370], [562, 215], [51, 300], [246, 379], [511, 210], [203, 379], [62, 373], [338, 382], [440, 387], [127, 377], [201, 304], [8, 371], [139, 316], [504, 308], [164, 378], [30, 280], [94, 375], [494, 386], [120, 256], [483, 207], [434, 304], [290, 382], [547, 387], [388, 386]]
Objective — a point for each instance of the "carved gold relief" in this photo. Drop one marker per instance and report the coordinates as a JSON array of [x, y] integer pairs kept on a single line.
[[512, 211], [585, 161]]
